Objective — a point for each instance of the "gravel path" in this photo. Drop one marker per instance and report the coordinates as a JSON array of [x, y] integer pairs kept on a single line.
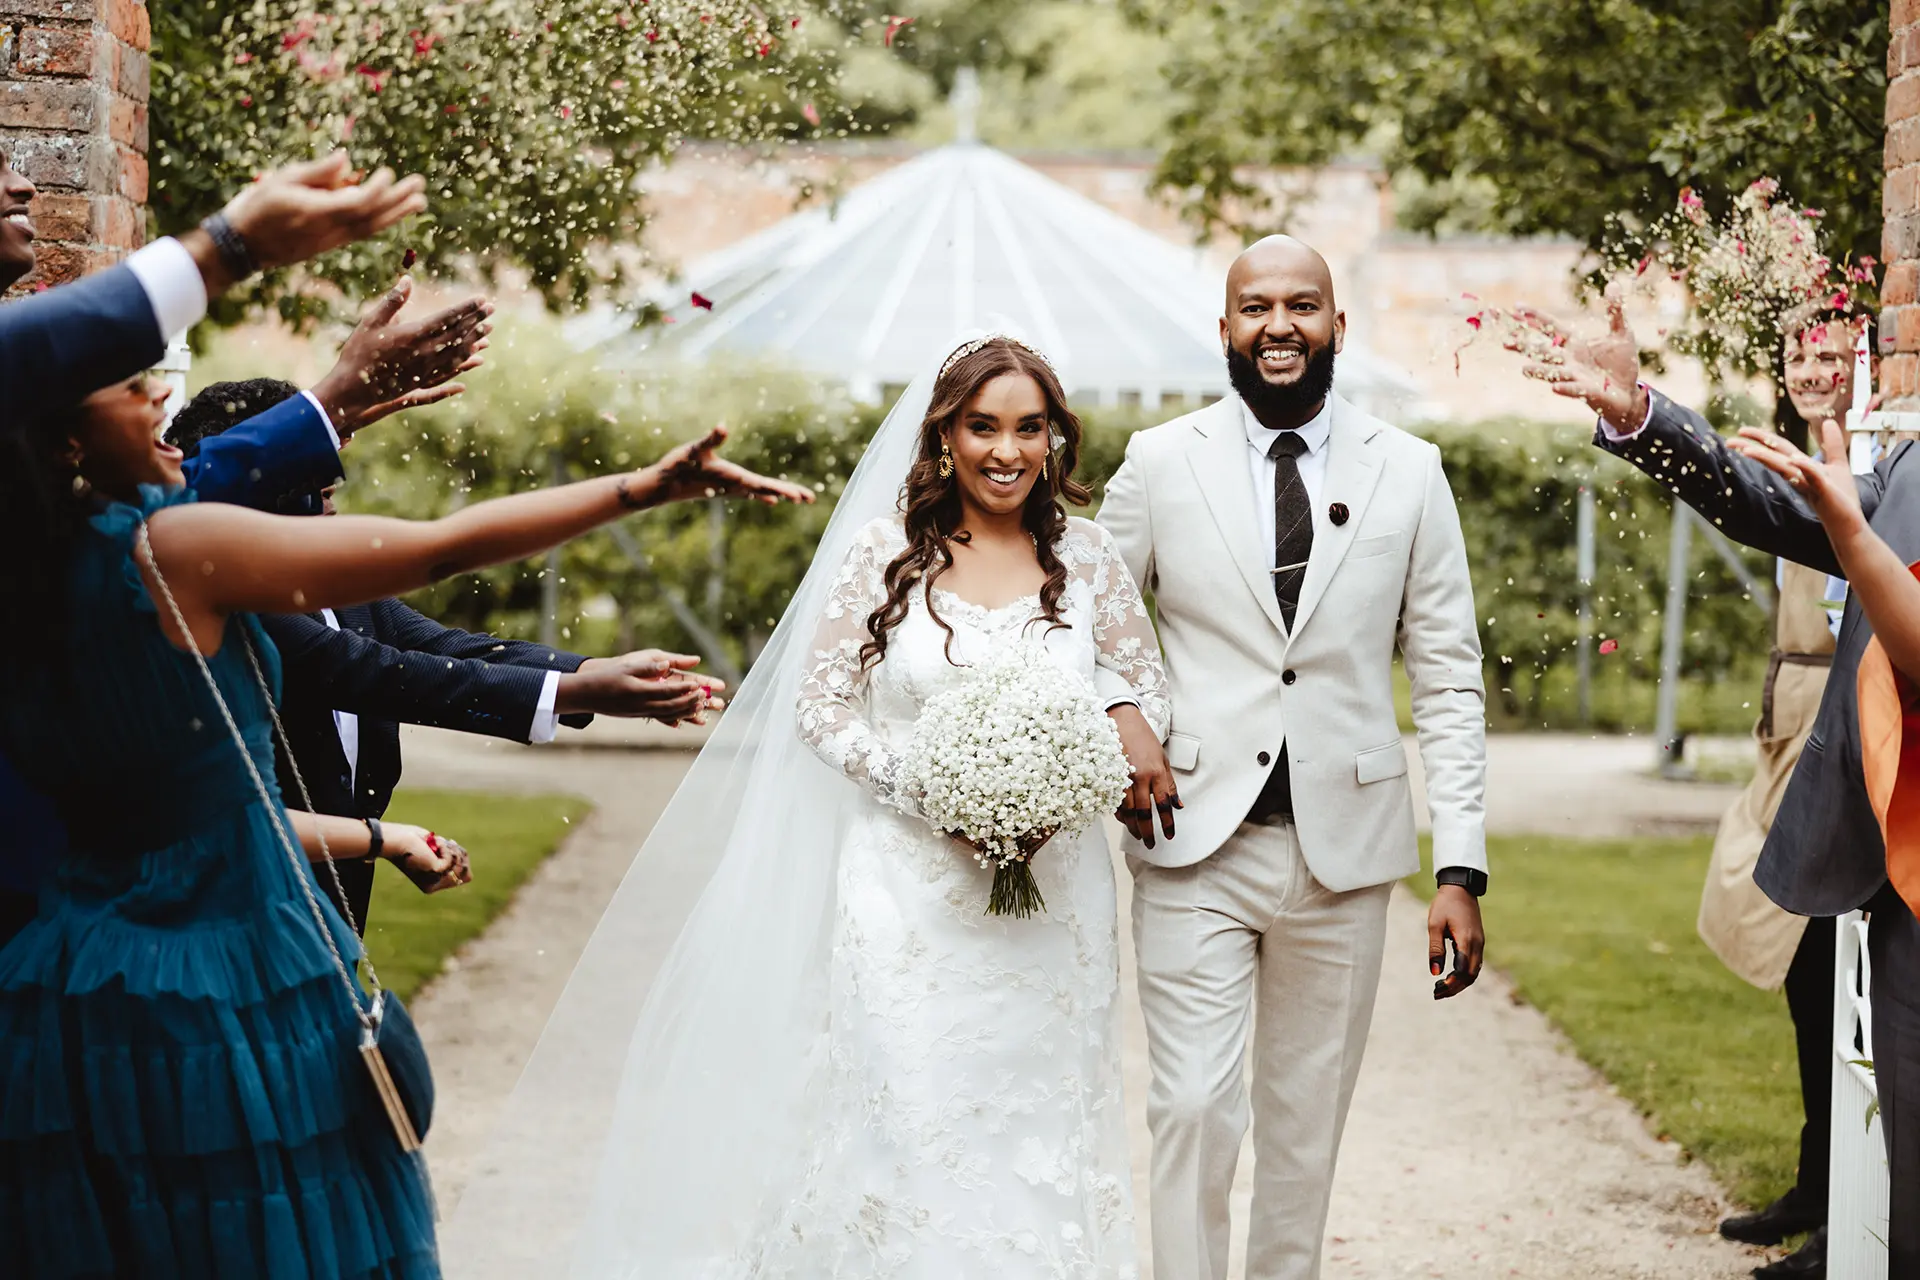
[[1478, 1145]]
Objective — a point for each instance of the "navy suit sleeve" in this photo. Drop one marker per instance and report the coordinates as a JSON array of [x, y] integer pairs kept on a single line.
[[419, 632], [60, 346], [351, 672], [256, 462], [1744, 500]]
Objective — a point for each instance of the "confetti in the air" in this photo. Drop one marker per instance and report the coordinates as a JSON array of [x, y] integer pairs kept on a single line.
[[812, 113], [703, 302], [895, 25], [1608, 646]]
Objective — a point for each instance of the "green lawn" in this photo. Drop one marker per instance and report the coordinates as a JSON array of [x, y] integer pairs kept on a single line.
[[1599, 935], [508, 835]]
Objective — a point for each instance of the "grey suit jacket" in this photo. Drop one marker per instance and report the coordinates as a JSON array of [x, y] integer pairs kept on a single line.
[[1824, 855]]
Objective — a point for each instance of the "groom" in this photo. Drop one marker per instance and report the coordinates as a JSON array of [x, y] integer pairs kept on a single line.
[[1292, 543]]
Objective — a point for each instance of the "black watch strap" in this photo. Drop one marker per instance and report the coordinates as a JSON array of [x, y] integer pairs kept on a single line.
[[235, 255], [1474, 882], [375, 840]]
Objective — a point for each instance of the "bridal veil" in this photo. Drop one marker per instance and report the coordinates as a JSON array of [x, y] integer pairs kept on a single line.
[[655, 1129]]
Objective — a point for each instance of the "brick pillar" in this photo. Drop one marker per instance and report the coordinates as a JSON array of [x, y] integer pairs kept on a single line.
[[1900, 210], [73, 117]]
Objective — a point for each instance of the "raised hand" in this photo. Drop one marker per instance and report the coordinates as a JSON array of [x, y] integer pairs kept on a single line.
[[1826, 483], [1454, 916], [647, 684], [305, 210], [694, 471], [1603, 370], [386, 366]]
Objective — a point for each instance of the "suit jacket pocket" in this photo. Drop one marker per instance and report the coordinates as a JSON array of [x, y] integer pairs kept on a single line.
[[1377, 764], [1183, 751], [1365, 547]]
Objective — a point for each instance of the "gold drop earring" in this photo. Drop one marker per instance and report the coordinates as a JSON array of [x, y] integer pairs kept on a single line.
[[946, 461], [1043, 468]]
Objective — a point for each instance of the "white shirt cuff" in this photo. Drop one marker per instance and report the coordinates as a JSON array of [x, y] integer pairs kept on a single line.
[[1121, 702], [325, 421], [545, 722], [1615, 437], [171, 280]]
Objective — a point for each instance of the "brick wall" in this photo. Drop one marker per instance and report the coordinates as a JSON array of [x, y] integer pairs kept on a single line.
[[1900, 208], [73, 117]]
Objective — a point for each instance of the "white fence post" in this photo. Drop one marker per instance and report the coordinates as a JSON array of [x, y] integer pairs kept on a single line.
[[1857, 1154]]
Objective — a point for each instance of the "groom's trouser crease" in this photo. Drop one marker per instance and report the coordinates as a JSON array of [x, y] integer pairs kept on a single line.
[[1248, 942]]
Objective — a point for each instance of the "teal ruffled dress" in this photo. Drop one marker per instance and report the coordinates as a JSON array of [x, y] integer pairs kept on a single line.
[[180, 1092]]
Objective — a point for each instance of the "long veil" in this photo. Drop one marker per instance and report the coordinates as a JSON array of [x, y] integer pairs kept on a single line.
[[653, 1130]]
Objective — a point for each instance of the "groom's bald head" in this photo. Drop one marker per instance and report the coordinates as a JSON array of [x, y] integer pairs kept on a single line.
[[1276, 258], [1281, 330]]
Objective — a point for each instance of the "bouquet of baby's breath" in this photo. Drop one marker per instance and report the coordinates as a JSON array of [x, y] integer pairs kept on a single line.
[[1012, 757]]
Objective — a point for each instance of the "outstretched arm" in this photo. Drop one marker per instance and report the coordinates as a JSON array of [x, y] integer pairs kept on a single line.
[[1676, 446], [220, 559], [1875, 574], [831, 709]]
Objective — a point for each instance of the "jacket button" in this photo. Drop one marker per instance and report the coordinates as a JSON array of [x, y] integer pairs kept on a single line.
[[1264, 758], [1287, 676]]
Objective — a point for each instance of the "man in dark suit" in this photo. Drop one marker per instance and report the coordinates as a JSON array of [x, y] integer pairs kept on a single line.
[[1824, 855], [351, 676], [58, 346]]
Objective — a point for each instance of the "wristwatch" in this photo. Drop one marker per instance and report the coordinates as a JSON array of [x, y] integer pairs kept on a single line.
[[375, 841], [1474, 882]]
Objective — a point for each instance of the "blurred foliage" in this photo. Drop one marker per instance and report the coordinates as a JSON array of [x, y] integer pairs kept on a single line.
[[1531, 117], [735, 567], [531, 119]]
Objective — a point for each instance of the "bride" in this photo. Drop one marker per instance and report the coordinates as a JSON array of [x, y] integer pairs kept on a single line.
[[845, 1068]]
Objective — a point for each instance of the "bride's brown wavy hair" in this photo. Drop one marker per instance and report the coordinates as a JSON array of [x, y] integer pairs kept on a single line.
[[930, 503]]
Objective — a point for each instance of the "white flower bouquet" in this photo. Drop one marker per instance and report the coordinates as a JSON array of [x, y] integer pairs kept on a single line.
[[1011, 758]]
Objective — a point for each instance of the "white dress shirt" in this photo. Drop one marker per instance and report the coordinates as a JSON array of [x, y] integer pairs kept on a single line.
[[346, 723], [171, 279], [1312, 464]]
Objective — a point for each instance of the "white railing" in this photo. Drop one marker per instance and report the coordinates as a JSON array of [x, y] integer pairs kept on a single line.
[[1857, 1194]]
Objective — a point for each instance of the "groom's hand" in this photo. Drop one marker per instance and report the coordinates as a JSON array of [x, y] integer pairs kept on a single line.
[[1153, 788], [1455, 916]]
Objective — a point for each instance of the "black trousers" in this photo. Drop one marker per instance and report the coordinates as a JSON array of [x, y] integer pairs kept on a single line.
[[17, 911], [356, 877], [1893, 946], [1809, 988]]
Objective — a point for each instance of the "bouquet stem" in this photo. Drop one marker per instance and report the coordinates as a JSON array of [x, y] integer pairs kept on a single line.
[[1015, 891]]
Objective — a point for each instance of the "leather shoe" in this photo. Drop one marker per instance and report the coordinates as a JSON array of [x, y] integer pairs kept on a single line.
[[1788, 1216], [1808, 1262]]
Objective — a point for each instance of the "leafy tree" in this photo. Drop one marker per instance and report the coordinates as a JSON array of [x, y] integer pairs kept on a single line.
[[1533, 116], [532, 119]]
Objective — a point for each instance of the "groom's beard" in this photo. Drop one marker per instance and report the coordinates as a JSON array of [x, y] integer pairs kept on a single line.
[[1293, 400]]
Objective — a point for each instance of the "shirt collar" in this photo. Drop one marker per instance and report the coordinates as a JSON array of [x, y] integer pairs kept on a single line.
[[1314, 433]]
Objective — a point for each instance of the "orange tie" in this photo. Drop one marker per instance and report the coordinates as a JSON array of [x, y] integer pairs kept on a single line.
[[1890, 760]]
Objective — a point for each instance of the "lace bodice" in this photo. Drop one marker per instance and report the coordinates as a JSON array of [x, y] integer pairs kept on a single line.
[[859, 720]]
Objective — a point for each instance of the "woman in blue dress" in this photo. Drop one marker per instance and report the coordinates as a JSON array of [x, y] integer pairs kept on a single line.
[[180, 1091]]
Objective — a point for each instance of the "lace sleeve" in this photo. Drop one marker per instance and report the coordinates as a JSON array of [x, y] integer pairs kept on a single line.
[[832, 705], [1123, 633]]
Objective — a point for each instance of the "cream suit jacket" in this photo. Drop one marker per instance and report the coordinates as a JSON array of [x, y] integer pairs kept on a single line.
[[1394, 574]]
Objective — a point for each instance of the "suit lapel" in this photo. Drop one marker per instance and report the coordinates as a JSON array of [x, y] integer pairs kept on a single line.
[[1353, 469], [1218, 456]]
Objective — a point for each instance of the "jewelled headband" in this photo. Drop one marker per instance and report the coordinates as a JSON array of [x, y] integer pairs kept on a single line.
[[966, 349]]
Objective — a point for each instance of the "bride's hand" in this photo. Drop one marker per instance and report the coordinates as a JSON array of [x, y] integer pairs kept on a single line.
[[1826, 482], [420, 854], [694, 470]]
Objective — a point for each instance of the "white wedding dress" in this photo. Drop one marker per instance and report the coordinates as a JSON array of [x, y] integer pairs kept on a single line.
[[972, 1119]]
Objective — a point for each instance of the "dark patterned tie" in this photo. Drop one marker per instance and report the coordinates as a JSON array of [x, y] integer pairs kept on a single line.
[[1292, 522]]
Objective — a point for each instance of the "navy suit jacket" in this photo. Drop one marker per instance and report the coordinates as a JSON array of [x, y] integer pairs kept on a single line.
[[60, 346], [1824, 854], [389, 664]]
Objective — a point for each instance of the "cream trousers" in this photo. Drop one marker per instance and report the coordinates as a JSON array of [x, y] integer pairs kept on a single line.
[[1248, 941]]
